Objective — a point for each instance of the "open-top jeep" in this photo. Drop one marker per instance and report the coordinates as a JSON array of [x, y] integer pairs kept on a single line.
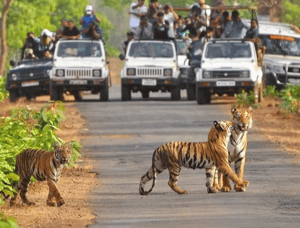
[[150, 65], [29, 78], [80, 65], [227, 67]]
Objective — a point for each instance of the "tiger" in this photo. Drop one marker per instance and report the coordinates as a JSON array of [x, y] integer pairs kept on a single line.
[[209, 155], [44, 166], [242, 119]]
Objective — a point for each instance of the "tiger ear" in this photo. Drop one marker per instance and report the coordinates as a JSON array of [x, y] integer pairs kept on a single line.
[[233, 110], [216, 123], [55, 145]]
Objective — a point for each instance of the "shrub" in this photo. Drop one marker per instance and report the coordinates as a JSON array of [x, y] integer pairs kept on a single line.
[[290, 99], [245, 99], [271, 91], [3, 92], [7, 222]]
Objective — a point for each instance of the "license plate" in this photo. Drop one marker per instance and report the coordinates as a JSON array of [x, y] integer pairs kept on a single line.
[[30, 83], [225, 83], [78, 82], [149, 82]]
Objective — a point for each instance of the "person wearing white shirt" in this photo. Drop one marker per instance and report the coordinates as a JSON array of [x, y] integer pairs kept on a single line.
[[136, 11], [170, 16], [200, 8]]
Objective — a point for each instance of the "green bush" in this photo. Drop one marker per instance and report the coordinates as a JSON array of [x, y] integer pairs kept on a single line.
[[271, 91], [245, 99], [7, 222], [290, 99], [3, 92], [26, 128]]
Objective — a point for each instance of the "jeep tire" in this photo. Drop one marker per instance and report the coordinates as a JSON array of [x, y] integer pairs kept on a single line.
[[145, 94], [175, 93], [77, 95], [191, 91], [56, 93], [104, 93], [125, 93], [13, 95]]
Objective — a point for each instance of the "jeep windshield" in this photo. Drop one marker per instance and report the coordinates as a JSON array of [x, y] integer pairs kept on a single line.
[[151, 50], [228, 50], [182, 47], [281, 45], [79, 49]]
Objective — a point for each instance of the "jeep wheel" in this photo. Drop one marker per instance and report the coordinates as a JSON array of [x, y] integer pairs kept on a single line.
[[56, 93], [191, 91], [203, 96], [175, 93], [126, 93], [145, 94], [77, 95], [13, 95], [104, 94]]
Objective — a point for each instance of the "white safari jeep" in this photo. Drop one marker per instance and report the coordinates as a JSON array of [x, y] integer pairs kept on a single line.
[[150, 65], [227, 67], [79, 65]]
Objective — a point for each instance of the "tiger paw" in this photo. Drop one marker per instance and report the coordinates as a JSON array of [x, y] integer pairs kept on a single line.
[[239, 188], [60, 203], [51, 204], [212, 190], [29, 203], [183, 192], [226, 189]]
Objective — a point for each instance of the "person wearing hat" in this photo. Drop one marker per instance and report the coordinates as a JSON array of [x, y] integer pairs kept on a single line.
[[144, 31], [161, 27], [89, 16], [47, 42], [136, 11]]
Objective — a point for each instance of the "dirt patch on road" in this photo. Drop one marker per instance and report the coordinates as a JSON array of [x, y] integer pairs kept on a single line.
[[115, 67], [74, 184]]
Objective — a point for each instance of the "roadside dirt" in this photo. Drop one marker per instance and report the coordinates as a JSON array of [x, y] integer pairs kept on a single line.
[[74, 184]]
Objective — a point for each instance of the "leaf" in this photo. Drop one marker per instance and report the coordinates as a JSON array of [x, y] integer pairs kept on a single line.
[[12, 176]]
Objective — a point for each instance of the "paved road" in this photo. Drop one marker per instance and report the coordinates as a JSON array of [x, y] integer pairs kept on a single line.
[[123, 138]]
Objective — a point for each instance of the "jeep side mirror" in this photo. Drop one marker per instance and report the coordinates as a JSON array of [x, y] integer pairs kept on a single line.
[[121, 56], [12, 63]]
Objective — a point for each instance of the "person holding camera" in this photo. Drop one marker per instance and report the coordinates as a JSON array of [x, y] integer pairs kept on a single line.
[[161, 27], [171, 16], [93, 31], [89, 16], [154, 8], [236, 28], [31, 42], [136, 11], [47, 42], [144, 31]]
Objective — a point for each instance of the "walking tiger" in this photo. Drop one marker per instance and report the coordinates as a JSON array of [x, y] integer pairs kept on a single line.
[[43, 165], [196, 155]]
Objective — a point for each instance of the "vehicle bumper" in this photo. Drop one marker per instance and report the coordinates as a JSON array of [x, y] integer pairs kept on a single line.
[[281, 80], [80, 84], [214, 88], [163, 84], [42, 88]]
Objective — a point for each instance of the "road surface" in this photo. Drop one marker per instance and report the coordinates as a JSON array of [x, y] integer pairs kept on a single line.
[[123, 136]]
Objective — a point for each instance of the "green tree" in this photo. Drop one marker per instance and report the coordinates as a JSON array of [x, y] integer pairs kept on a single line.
[[290, 12]]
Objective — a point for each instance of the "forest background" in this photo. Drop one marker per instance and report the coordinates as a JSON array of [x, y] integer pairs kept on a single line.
[[21, 16]]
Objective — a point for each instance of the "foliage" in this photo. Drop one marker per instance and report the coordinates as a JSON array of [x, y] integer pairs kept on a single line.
[[290, 99], [27, 128], [3, 92], [271, 91], [7, 222], [290, 12], [245, 99]]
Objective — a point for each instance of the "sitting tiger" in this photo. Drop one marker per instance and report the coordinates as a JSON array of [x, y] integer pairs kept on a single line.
[[242, 119], [43, 165], [209, 155]]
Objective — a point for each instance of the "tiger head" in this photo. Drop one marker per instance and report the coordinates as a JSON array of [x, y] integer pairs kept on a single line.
[[221, 132], [242, 119], [63, 152]]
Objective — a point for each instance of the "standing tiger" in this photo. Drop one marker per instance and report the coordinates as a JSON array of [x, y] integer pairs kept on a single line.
[[43, 165], [209, 155], [242, 119]]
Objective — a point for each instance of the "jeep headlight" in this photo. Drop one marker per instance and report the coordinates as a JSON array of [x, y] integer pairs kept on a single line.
[[14, 77], [244, 74], [130, 72], [60, 73], [167, 72], [206, 74], [96, 73]]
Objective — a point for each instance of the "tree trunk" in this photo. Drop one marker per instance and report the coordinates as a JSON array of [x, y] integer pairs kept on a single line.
[[272, 8], [3, 46]]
